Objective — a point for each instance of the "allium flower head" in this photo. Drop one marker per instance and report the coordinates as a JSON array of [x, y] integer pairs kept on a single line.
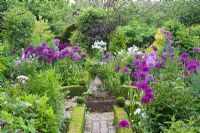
[[56, 42], [184, 55], [125, 70], [164, 56], [83, 56], [154, 48], [136, 56], [118, 67], [150, 62], [196, 50], [153, 55], [124, 124]]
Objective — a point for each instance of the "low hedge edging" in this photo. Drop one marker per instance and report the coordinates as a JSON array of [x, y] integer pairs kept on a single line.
[[77, 120], [74, 90], [119, 114]]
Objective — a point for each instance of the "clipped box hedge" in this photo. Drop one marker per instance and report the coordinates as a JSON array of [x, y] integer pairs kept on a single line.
[[119, 114], [74, 90], [77, 120]]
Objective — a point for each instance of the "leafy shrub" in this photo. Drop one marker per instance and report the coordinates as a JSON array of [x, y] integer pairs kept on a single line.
[[194, 30], [47, 83], [120, 101], [41, 33], [28, 113], [135, 33], [18, 27], [65, 36]]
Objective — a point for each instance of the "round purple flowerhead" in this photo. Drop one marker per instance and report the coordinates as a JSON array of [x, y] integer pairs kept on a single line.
[[154, 48], [118, 68], [3, 124], [196, 50], [153, 55], [124, 124], [164, 56], [136, 56], [125, 70], [56, 42], [184, 55], [48, 60], [83, 56]]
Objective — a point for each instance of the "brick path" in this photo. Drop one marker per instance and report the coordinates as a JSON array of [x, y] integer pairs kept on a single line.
[[100, 123]]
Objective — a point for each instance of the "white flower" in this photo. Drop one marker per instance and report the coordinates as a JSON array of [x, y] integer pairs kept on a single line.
[[137, 111], [22, 77]]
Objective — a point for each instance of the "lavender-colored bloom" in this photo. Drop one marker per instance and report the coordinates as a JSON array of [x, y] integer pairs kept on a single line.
[[125, 70], [135, 75], [184, 55], [75, 57], [185, 73], [150, 62], [44, 44], [136, 56], [145, 69], [172, 55], [171, 48], [76, 48], [48, 60], [192, 65], [153, 55], [145, 99], [159, 64], [39, 48], [136, 63], [142, 85], [149, 77], [124, 124], [83, 56], [3, 124], [154, 48], [128, 65], [196, 50], [118, 68], [41, 56], [56, 42], [164, 56]]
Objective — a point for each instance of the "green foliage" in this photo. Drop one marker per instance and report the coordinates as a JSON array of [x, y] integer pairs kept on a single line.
[[18, 27], [41, 33], [119, 114], [174, 26], [194, 30], [80, 100], [77, 121], [74, 90], [135, 33], [182, 127], [118, 40], [28, 113], [47, 83], [120, 101], [65, 36]]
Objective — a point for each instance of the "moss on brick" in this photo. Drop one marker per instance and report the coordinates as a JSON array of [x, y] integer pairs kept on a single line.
[[77, 120]]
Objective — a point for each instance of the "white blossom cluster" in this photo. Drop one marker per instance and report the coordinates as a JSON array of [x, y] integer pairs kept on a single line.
[[100, 45], [22, 79]]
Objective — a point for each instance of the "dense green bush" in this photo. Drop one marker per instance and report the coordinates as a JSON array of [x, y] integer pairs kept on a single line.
[[47, 83], [41, 33], [80, 100], [74, 90], [19, 24], [135, 33], [120, 101], [28, 113]]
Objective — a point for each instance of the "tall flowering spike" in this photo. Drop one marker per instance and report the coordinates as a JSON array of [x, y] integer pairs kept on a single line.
[[123, 124]]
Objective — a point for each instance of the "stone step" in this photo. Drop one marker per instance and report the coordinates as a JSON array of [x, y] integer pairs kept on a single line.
[[100, 106]]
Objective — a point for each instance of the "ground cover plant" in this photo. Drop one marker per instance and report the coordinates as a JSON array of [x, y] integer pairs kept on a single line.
[[145, 55]]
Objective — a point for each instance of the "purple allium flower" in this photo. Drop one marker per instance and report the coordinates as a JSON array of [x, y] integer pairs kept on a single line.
[[3, 124], [145, 99], [142, 85], [136, 63], [136, 56], [196, 50], [133, 84], [41, 56], [159, 64], [56, 42], [48, 60], [153, 55], [118, 68], [164, 56], [192, 65], [124, 124], [125, 70], [135, 75], [171, 48], [154, 48], [83, 56], [184, 55], [150, 62], [44, 44], [75, 57], [185, 73], [149, 77], [128, 65], [39, 48], [145, 69], [75, 48], [172, 55]]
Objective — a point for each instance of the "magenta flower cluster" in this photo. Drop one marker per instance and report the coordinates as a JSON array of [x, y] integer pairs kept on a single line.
[[45, 53], [123, 124]]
